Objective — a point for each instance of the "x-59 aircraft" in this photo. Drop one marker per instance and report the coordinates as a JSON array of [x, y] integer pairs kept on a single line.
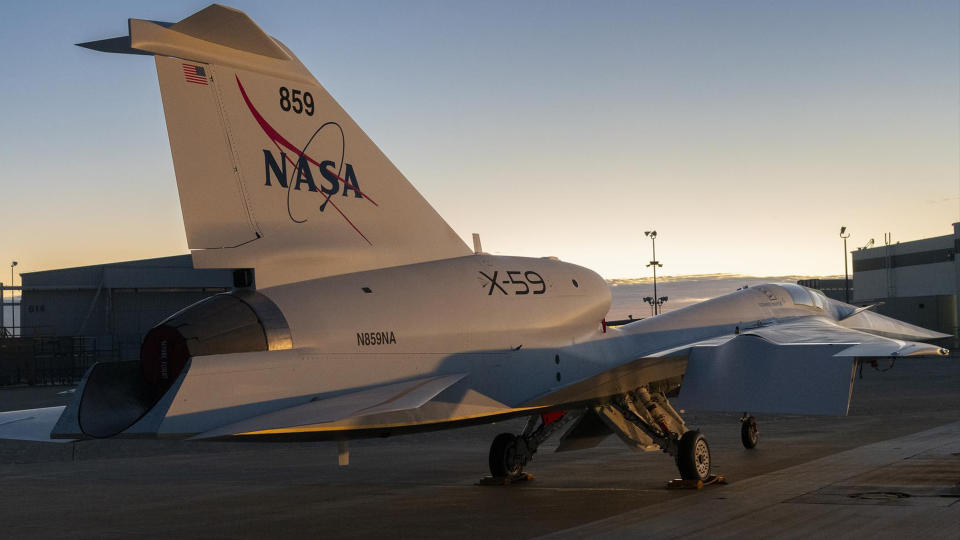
[[358, 312]]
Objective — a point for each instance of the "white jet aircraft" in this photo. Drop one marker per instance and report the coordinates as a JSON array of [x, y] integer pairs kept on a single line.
[[358, 312]]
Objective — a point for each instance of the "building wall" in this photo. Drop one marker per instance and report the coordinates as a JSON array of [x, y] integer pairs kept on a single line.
[[831, 287], [920, 280], [934, 312], [917, 281], [60, 313], [114, 305], [919, 268]]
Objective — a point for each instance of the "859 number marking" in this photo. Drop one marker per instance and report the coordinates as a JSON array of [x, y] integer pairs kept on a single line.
[[296, 101], [518, 281]]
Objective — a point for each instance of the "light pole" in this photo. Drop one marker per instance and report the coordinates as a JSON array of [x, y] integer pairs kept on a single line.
[[13, 314], [846, 275], [655, 301]]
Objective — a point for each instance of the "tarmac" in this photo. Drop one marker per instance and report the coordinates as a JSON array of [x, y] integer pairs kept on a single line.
[[889, 469]]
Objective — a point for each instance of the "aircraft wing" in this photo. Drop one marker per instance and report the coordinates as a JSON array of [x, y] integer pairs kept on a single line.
[[818, 330], [805, 366], [801, 366], [30, 424], [311, 416]]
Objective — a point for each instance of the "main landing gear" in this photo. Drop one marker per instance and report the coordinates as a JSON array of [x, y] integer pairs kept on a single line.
[[510, 453], [643, 419], [693, 456], [749, 433], [659, 423]]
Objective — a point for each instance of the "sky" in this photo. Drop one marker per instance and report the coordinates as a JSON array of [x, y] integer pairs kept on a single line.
[[745, 133]]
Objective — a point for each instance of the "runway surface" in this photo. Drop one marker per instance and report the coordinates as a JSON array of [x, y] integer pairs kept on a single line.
[[897, 488], [424, 485]]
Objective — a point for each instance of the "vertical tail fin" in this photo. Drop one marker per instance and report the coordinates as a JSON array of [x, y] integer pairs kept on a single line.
[[273, 174]]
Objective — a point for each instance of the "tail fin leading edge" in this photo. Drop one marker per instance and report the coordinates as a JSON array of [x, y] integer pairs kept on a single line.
[[273, 174]]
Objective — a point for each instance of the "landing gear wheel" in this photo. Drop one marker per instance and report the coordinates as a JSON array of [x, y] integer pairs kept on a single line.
[[693, 457], [505, 459], [749, 433]]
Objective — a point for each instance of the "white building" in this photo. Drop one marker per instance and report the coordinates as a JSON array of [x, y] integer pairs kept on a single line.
[[918, 281]]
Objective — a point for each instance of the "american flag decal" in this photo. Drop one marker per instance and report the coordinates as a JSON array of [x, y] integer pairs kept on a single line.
[[194, 74]]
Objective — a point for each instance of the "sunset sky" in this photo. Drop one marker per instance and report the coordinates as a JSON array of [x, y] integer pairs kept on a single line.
[[745, 133]]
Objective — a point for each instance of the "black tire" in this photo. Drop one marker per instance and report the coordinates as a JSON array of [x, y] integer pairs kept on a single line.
[[693, 457], [749, 433], [504, 460]]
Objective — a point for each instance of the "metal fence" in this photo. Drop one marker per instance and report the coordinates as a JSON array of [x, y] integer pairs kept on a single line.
[[49, 360]]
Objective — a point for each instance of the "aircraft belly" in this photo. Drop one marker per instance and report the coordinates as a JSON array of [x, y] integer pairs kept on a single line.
[[221, 390], [225, 389], [463, 404]]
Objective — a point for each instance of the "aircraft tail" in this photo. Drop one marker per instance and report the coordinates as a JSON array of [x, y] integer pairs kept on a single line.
[[273, 174]]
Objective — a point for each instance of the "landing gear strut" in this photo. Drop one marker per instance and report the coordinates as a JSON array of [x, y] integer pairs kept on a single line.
[[749, 433], [655, 421], [642, 418], [510, 453]]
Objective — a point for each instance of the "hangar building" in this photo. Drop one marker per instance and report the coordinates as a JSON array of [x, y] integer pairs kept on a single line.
[[835, 288], [918, 281], [112, 306]]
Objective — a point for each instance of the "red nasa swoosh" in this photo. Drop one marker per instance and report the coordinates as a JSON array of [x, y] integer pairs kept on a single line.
[[279, 140]]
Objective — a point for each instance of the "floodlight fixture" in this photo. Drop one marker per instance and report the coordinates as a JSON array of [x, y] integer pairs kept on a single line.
[[846, 272]]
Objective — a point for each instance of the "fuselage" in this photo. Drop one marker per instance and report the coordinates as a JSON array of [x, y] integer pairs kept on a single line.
[[467, 304], [526, 334], [518, 335]]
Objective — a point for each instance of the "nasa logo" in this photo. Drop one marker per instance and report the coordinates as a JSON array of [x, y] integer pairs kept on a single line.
[[305, 177], [333, 178]]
